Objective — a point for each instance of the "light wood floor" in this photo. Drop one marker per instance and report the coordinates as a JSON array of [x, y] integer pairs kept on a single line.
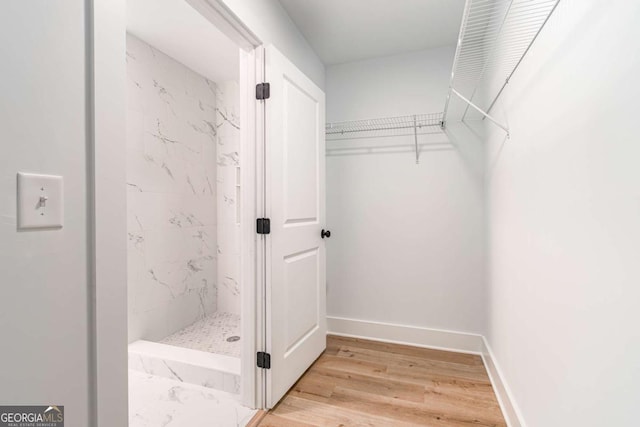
[[366, 383]]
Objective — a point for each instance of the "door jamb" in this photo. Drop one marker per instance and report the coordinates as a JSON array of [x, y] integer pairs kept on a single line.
[[252, 316]]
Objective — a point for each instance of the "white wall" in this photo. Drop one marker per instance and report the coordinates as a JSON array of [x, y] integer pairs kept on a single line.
[[271, 23], [171, 193], [44, 291], [108, 158], [407, 239], [564, 221]]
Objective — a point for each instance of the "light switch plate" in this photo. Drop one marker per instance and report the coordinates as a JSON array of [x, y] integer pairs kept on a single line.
[[40, 201]]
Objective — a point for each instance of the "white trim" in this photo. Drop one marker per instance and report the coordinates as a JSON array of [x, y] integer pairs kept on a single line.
[[262, 262], [510, 409], [106, 187], [460, 342], [228, 22], [250, 317]]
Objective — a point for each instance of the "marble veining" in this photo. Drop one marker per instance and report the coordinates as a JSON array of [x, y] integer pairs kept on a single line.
[[229, 190], [208, 375], [161, 402], [186, 364], [172, 135]]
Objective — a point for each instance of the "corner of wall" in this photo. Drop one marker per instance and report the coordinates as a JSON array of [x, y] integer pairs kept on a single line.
[[509, 407]]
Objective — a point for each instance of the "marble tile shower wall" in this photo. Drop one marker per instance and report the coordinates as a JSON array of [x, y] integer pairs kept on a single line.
[[229, 187], [171, 194]]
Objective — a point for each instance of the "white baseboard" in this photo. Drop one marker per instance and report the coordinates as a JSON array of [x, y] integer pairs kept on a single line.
[[411, 335], [460, 342], [508, 404]]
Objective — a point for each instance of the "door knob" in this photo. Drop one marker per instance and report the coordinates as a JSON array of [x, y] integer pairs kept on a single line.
[[325, 233]]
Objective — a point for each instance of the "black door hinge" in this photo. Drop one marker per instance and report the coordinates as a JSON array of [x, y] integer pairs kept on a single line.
[[263, 226], [263, 91], [264, 360]]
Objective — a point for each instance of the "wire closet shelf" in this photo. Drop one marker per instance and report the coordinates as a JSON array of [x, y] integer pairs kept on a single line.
[[384, 126], [495, 36], [416, 124]]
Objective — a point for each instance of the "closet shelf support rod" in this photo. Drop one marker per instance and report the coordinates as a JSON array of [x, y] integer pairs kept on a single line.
[[463, 25], [487, 61], [415, 136], [471, 104], [506, 82]]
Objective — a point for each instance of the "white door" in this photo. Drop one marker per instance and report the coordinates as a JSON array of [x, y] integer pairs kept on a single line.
[[295, 204]]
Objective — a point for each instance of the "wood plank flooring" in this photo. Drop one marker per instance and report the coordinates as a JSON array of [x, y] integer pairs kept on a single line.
[[366, 383]]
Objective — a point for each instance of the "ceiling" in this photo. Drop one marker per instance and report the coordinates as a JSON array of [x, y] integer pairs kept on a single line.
[[350, 30], [178, 30]]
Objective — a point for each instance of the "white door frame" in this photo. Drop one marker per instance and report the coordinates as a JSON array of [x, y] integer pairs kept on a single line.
[[106, 148]]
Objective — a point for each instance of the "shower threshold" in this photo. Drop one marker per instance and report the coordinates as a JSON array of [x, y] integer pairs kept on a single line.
[[205, 353]]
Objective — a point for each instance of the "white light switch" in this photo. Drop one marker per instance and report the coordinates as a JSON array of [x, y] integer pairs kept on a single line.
[[40, 201]]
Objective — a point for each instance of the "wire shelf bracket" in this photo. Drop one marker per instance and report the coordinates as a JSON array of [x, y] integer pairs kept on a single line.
[[494, 38], [411, 125], [485, 115]]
